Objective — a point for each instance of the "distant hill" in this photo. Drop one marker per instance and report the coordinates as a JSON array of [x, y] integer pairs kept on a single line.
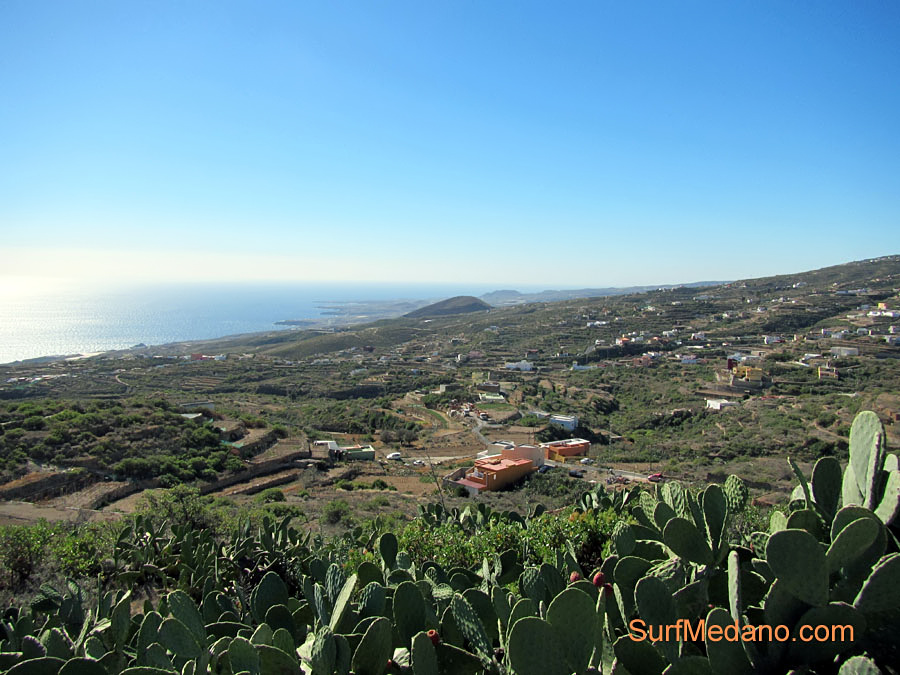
[[857, 274], [819, 294], [512, 297], [461, 304]]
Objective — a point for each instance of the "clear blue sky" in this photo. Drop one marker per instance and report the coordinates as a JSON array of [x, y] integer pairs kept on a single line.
[[540, 143]]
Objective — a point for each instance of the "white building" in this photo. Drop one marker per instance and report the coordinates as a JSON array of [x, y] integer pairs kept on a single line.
[[845, 351], [719, 403], [567, 422]]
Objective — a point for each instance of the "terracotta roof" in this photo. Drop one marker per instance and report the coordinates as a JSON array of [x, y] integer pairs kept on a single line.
[[494, 463]]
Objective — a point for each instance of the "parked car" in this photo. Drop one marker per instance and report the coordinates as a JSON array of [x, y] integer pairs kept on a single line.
[[418, 462], [576, 473], [545, 468], [586, 460], [394, 455], [655, 477]]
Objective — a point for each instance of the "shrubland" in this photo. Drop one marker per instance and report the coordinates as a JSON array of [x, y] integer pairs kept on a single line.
[[488, 591]]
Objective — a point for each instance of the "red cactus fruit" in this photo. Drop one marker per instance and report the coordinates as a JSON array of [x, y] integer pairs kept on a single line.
[[607, 590], [574, 576], [599, 579], [434, 637]]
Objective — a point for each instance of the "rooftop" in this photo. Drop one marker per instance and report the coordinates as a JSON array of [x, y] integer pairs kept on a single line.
[[498, 464], [568, 441]]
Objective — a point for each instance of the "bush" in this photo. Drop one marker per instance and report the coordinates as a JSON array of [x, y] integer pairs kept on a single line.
[[282, 510], [270, 495], [377, 502], [531, 421], [34, 423], [234, 464], [826, 419], [21, 549], [186, 506], [27, 551], [336, 511]]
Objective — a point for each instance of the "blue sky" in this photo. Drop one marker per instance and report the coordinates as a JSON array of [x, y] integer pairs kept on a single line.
[[552, 144]]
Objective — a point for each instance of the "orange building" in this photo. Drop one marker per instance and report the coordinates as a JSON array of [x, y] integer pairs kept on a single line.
[[532, 452], [571, 447], [495, 473]]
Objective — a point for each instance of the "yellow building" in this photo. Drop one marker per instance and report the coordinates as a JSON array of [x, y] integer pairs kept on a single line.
[[749, 373]]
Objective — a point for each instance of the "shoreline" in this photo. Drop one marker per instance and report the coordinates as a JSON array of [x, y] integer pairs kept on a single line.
[[338, 320]]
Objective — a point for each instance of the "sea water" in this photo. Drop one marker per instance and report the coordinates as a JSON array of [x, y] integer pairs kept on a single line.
[[72, 319]]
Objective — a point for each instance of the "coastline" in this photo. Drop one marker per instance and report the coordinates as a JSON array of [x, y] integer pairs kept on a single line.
[[342, 315]]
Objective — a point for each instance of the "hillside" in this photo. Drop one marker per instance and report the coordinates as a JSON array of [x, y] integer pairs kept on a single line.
[[512, 297], [461, 304], [693, 383], [638, 368]]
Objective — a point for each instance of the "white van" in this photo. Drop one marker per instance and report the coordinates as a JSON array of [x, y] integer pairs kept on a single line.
[[394, 455]]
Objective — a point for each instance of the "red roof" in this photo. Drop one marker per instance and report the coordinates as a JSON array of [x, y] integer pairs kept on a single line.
[[496, 464]]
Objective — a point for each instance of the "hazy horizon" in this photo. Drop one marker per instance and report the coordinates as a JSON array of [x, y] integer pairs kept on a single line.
[[585, 145]]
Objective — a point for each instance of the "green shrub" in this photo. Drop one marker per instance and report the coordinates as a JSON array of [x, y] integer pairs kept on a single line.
[[336, 511], [377, 502], [282, 510], [34, 423], [270, 495]]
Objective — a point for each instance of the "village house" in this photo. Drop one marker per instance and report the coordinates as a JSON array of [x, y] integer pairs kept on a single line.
[[567, 422], [845, 351], [560, 450], [494, 473], [719, 403], [488, 386]]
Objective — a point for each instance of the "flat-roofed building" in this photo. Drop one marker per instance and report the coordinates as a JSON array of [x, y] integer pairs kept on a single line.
[[532, 452], [495, 473], [567, 422], [560, 450]]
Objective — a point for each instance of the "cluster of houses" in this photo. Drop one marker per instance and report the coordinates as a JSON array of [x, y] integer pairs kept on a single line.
[[506, 463]]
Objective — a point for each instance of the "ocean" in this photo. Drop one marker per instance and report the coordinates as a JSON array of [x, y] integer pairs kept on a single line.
[[72, 319]]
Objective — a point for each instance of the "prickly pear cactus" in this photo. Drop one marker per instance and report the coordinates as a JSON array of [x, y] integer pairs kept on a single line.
[[871, 478], [736, 494]]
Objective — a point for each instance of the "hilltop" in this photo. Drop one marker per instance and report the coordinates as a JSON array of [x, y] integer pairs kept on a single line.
[[461, 304]]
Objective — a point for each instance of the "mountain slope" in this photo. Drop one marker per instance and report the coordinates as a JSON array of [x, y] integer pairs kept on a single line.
[[461, 304]]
